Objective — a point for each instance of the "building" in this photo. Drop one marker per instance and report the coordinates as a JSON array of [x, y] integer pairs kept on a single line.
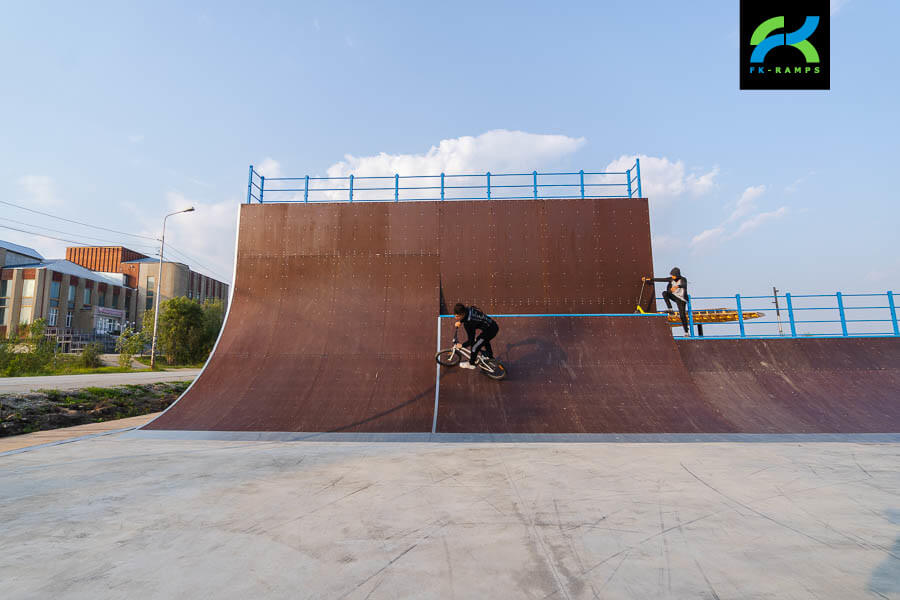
[[96, 289], [67, 295], [14, 254], [141, 273]]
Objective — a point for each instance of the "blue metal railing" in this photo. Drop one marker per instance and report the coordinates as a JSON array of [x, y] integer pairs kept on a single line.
[[486, 186], [797, 316]]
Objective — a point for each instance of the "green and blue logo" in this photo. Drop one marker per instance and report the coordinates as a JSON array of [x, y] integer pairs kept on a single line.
[[799, 39]]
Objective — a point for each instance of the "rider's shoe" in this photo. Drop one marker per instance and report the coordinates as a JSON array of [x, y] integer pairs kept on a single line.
[[467, 365]]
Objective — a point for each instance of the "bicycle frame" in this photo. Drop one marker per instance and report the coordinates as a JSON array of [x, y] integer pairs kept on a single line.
[[465, 353]]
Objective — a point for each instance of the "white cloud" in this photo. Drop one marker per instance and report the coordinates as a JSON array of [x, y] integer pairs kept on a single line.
[[206, 235], [747, 202], [498, 150], [41, 189], [136, 139], [665, 243], [663, 180], [269, 167], [757, 220], [708, 237], [837, 5]]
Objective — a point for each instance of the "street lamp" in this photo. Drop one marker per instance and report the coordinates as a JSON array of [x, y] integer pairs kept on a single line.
[[162, 245]]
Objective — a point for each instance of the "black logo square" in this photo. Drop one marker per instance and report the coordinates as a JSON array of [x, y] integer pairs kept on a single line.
[[785, 45]]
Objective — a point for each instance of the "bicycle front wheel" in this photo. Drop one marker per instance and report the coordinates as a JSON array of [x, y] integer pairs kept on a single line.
[[493, 369], [448, 358]]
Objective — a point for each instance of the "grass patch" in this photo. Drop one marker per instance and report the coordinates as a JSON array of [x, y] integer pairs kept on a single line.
[[161, 364]]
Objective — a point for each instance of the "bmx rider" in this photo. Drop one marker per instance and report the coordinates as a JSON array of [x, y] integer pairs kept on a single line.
[[473, 319]]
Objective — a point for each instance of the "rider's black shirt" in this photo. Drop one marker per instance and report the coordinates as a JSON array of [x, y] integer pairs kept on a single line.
[[475, 319]]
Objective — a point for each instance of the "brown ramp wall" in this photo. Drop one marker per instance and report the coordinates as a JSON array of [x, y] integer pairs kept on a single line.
[[545, 256], [332, 325], [847, 385], [628, 375]]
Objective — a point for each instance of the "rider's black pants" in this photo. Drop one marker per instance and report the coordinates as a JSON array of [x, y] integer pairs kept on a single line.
[[483, 343], [669, 297]]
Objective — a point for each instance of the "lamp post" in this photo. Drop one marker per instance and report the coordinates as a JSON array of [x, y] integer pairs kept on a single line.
[[162, 245]]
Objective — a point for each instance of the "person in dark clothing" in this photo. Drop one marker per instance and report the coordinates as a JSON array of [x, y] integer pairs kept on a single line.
[[474, 320], [676, 291]]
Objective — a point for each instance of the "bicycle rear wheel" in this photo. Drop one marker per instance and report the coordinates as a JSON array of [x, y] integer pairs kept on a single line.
[[494, 370], [448, 358]]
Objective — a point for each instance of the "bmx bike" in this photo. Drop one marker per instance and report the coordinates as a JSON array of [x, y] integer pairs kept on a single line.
[[491, 367]]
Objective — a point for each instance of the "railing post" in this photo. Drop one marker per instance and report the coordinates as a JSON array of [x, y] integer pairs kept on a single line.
[[791, 315], [488, 185], [581, 176], [262, 187], [637, 165], [351, 188], [396, 187], [740, 312], [442, 187], [690, 310], [534, 174], [893, 308], [250, 185], [840, 301], [628, 176], [306, 190]]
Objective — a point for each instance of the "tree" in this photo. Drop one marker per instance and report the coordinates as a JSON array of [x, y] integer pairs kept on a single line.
[[130, 342], [213, 317], [180, 330]]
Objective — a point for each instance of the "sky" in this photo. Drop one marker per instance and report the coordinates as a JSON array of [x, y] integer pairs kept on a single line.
[[116, 113]]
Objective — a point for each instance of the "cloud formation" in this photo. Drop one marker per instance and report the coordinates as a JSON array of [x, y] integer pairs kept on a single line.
[[41, 190], [745, 205], [663, 180]]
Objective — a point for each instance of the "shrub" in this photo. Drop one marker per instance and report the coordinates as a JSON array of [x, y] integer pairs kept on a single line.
[[130, 342], [90, 356]]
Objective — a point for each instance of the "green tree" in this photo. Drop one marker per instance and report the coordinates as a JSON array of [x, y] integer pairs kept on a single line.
[[180, 331], [130, 342], [213, 317]]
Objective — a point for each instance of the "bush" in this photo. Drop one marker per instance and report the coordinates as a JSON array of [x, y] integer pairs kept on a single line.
[[27, 352], [90, 356], [187, 330], [130, 342]]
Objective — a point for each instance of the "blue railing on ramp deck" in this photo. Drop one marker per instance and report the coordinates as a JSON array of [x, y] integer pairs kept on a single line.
[[795, 316], [841, 315], [445, 186]]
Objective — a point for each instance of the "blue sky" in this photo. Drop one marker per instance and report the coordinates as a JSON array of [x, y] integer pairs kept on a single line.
[[115, 113]]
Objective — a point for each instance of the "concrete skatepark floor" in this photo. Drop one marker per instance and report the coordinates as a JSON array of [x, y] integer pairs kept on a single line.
[[112, 517]]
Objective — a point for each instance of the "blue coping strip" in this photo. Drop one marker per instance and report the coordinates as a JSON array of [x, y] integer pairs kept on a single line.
[[571, 315]]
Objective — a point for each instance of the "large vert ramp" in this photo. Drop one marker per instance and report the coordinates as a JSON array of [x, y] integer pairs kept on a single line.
[[334, 322]]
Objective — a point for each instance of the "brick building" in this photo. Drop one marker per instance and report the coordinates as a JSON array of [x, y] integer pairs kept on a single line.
[[67, 295], [141, 273]]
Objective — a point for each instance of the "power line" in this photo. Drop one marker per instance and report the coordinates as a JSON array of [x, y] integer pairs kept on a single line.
[[51, 237], [78, 222], [88, 237], [195, 261]]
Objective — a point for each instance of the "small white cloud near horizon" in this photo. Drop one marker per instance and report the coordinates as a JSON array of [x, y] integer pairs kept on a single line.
[[663, 180], [707, 237], [757, 220], [746, 203], [268, 167], [41, 190]]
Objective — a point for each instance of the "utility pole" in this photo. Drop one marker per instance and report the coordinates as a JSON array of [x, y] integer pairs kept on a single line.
[[777, 310], [162, 246]]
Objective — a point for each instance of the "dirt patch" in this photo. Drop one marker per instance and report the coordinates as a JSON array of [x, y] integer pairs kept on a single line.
[[52, 409]]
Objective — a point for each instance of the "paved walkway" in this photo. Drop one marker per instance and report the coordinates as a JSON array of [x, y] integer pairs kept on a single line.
[[12, 385], [17, 442]]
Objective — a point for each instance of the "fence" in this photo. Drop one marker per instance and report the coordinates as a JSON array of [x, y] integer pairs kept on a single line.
[[487, 186], [74, 340], [799, 315]]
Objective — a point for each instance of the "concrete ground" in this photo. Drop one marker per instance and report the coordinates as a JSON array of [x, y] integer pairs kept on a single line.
[[54, 436], [13, 385], [114, 517]]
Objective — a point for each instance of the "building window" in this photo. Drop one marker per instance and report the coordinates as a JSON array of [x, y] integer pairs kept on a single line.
[[27, 310], [151, 291], [71, 297], [87, 296], [102, 299], [54, 289], [53, 316], [4, 292], [69, 319]]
